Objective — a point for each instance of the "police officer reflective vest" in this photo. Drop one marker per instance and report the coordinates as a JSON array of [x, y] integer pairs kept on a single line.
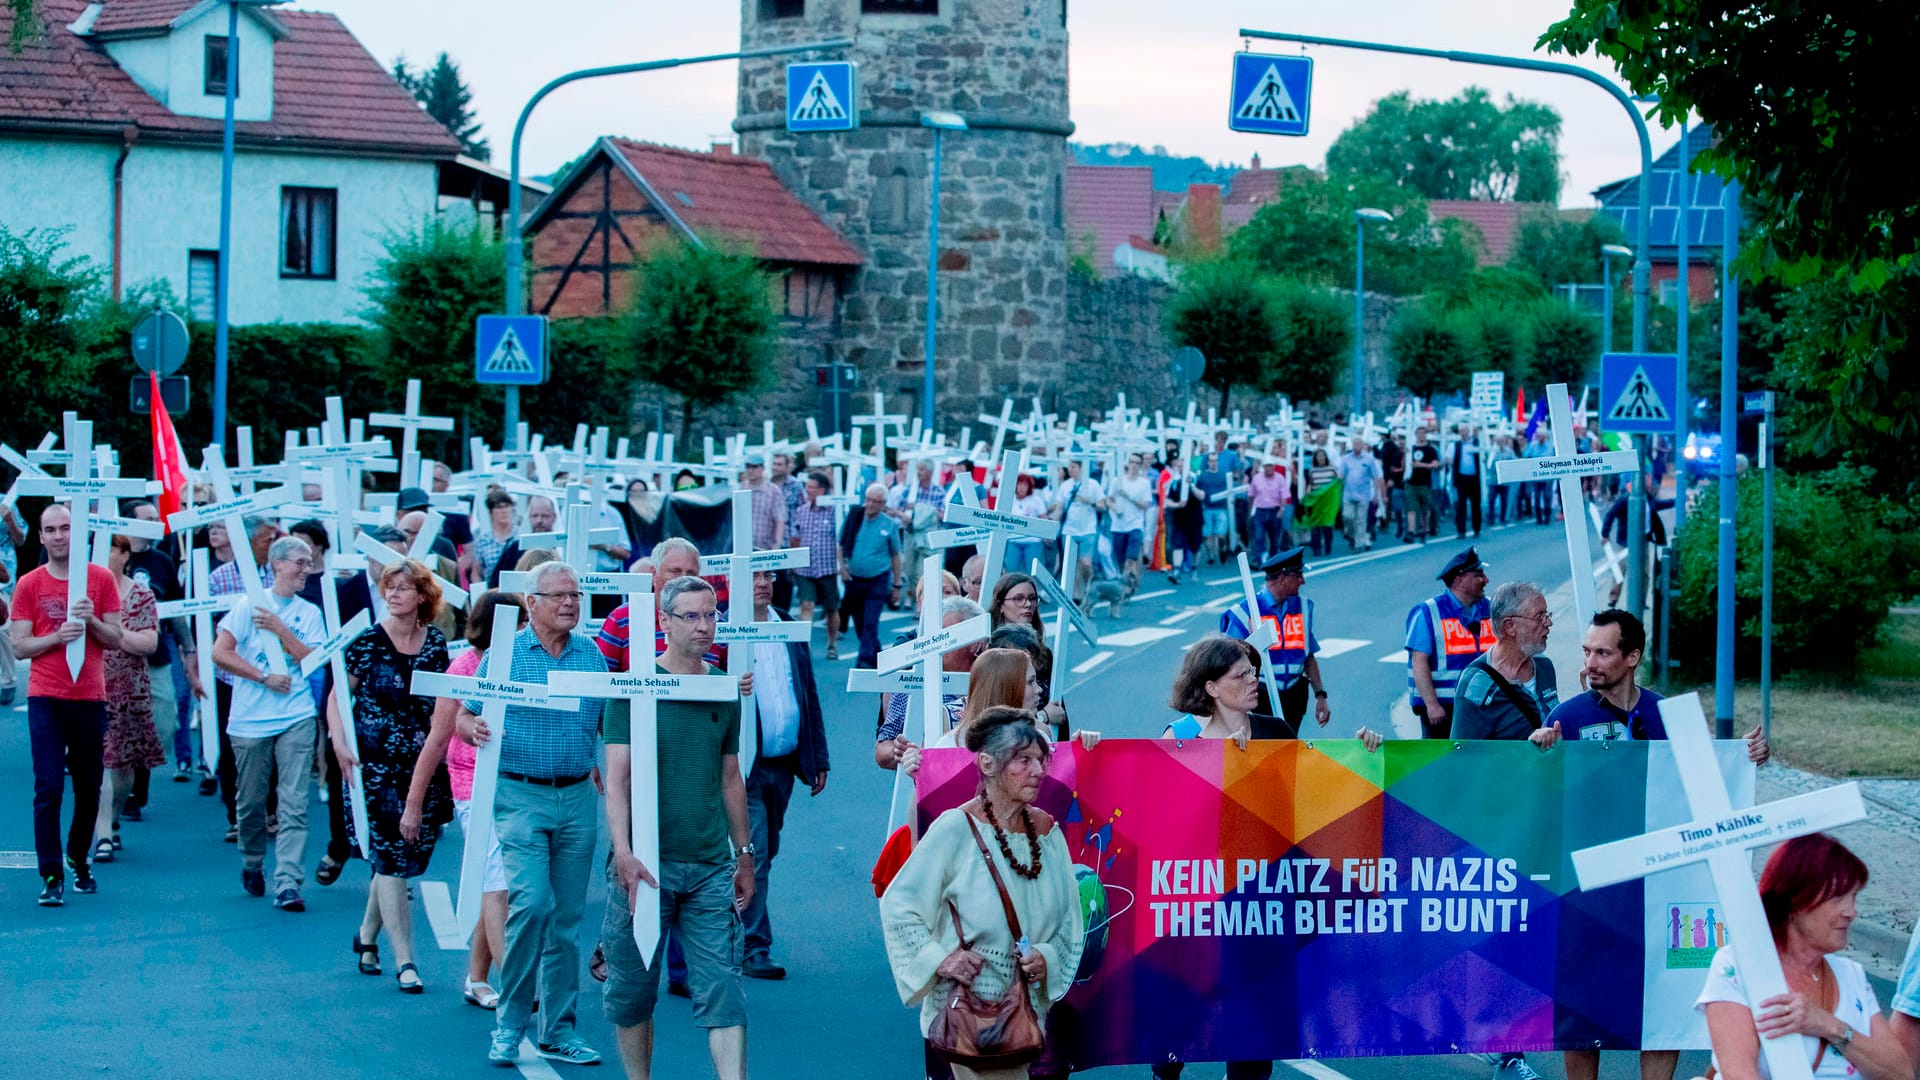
[[1459, 634], [1292, 622]]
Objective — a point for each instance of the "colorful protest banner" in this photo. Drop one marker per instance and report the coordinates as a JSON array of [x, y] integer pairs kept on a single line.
[[1299, 900]]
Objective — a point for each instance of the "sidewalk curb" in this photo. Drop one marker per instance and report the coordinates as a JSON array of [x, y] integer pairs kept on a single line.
[[1878, 948]]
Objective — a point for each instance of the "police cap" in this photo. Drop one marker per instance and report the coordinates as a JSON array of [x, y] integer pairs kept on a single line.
[[1461, 563]]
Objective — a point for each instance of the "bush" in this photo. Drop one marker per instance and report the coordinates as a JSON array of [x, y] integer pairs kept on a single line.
[[1840, 557], [1566, 346], [1429, 354], [1318, 333], [702, 326], [1230, 311], [49, 334]]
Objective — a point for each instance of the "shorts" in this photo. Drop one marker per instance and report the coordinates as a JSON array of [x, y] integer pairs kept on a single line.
[[1419, 499], [1126, 545], [494, 879], [823, 590], [1215, 521], [696, 902]]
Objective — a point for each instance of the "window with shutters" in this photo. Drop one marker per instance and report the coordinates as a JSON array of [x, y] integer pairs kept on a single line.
[[215, 80], [203, 279], [307, 232]]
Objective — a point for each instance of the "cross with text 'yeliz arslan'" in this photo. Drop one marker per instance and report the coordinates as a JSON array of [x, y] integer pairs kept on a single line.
[[1568, 467], [739, 632], [1723, 838], [494, 687], [645, 689]]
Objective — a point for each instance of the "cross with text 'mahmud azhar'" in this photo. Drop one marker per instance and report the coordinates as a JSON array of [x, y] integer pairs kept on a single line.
[[1723, 838], [645, 689], [492, 685]]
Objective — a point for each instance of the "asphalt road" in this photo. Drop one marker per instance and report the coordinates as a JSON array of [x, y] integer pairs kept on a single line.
[[171, 971]]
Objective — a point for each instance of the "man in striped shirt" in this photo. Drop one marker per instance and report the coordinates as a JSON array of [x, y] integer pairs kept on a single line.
[[674, 557]]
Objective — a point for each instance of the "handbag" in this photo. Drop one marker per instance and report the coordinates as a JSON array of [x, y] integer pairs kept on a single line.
[[980, 1034]]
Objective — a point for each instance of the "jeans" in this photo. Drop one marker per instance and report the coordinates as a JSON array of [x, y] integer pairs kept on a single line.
[[183, 704], [67, 737], [1542, 502], [1263, 538], [1466, 502], [1356, 512], [290, 754], [1020, 556], [1499, 503], [229, 778], [769, 790], [547, 836], [866, 599]]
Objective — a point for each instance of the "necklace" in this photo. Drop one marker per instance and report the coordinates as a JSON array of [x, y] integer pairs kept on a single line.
[[1033, 840]]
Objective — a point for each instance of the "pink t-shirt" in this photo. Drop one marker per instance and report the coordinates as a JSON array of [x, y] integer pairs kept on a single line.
[[1269, 492], [459, 754]]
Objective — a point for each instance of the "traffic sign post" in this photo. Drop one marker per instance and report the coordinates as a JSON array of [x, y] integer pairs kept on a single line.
[[1272, 95], [1761, 401], [159, 342], [823, 96], [510, 350], [173, 394]]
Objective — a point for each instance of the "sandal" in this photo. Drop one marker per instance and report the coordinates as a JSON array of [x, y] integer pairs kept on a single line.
[[597, 967], [415, 986], [480, 995], [328, 872], [361, 951], [103, 851]]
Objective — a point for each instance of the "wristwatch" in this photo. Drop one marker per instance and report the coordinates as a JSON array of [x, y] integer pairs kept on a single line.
[[1321, 694], [746, 849], [1845, 1040]]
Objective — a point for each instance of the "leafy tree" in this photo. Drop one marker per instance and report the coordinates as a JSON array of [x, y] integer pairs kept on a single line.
[[48, 333], [1428, 351], [1468, 147], [1812, 145], [1307, 234], [1318, 335], [594, 370], [1556, 249], [703, 325], [1566, 345], [427, 291], [1230, 312], [1494, 337], [441, 91]]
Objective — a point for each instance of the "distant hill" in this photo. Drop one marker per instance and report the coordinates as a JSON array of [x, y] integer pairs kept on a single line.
[[1170, 172]]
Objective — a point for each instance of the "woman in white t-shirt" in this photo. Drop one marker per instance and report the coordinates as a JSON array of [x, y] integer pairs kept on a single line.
[[1808, 889]]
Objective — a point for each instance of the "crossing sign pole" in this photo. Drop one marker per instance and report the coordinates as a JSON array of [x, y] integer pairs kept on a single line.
[[1271, 94]]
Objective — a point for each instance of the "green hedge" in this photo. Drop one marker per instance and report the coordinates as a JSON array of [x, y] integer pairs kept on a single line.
[[1840, 557]]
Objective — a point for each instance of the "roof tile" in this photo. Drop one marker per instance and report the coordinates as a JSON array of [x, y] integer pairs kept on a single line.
[[1110, 203], [738, 199]]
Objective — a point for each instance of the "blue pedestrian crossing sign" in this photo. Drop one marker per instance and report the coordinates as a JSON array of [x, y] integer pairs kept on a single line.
[[1639, 392], [1271, 94], [823, 96], [510, 350]]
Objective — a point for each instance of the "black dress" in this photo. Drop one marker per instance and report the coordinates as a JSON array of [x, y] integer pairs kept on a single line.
[[391, 725]]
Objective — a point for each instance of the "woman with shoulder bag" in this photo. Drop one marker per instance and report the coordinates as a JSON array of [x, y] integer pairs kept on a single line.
[[982, 924]]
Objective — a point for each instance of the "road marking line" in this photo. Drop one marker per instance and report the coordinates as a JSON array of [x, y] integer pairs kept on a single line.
[[1091, 662], [1357, 560], [532, 1065], [1222, 581], [1139, 635], [1154, 595], [1179, 617], [1334, 646], [1222, 601], [438, 900], [1315, 1069], [19, 860], [1397, 656]]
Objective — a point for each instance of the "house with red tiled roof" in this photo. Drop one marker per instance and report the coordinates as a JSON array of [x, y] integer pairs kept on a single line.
[[589, 239], [110, 130], [1112, 216]]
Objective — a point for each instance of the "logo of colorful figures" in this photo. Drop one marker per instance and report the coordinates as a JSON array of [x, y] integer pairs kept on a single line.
[[1692, 932], [1095, 847]]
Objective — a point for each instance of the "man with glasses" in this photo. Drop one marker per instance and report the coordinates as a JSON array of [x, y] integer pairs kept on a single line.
[[1445, 633], [1295, 668], [273, 723], [544, 813]]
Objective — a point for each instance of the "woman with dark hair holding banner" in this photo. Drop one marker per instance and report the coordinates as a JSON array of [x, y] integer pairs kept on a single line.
[[1808, 890], [986, 911]]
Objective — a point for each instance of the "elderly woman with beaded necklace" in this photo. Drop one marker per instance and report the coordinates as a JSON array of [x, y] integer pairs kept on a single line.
[[946, 875]]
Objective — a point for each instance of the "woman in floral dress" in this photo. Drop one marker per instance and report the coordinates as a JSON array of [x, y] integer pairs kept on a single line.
[[390, 728]]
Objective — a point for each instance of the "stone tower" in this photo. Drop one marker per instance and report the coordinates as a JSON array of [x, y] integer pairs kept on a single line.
[[1001, 64]]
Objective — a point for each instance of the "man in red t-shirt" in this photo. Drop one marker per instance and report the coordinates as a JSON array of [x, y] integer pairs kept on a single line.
[[66, 717]]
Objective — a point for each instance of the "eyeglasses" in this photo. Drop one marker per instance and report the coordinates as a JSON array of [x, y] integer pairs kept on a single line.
[[1545, 616], [561, 596], [1022, 598], [696, 618]]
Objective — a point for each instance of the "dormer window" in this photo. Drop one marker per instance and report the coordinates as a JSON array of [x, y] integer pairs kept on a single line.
[[216, 66]]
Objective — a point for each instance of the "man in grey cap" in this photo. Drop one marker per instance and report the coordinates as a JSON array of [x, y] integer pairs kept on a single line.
[[1445, 633], [415, 500]]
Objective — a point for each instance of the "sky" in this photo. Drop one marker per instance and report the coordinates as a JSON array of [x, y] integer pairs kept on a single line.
[[1149, 72]]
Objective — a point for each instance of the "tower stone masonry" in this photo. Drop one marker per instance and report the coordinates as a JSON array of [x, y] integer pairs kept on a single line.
[[1001, 64]]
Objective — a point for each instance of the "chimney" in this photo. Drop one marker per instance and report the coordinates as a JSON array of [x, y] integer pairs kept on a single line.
[[1256, 161], [1203, 216], [723, 148]]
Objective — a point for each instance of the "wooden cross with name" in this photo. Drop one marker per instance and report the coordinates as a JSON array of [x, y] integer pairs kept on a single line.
[[411, 423], [580, 537], [1004, 521], [1067, 613], [1261, 634], [421, 551], [203, 607], [927, 650], [333, 651], [646, 688], [231, 513], [1724, 838], [493, 685], [739, 628]]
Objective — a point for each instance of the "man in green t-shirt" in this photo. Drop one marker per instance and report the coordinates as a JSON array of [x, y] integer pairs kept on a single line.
[[705, 874]]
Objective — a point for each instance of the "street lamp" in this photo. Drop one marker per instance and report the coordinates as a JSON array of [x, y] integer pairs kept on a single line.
[[223, 272], [1607, 252], [1360, 219], [941, 123]]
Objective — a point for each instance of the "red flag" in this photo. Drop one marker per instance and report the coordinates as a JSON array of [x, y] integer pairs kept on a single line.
[[166, 455], [1520, 407]]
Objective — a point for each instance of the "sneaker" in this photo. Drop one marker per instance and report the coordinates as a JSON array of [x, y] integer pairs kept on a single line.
[[182, 774], [208, 785], [1511, 1067], [289, 900], [254, 881], [6, 694], [54, 894], [83, 879], [130, 813], [761, 967], [233, 834], [571, 1052], [833, 651], [505, 1050]]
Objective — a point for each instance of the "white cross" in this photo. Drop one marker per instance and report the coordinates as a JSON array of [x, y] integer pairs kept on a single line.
[[1723, 838], [411, 423], [1002, 521], [646, 688], [1067, 613], [580, 538], [1260, 633], [927, 650], [880, 420], [1568, 467], [740, 568], [494, 686], [202, 608], [333, 651], [231, 513], [379, 554]]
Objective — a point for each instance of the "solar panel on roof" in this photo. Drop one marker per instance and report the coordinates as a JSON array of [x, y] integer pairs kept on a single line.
[[1665, 227]]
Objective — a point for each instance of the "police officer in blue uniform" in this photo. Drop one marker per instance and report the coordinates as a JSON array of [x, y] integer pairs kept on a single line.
[[1444, 634], [1291, 658]]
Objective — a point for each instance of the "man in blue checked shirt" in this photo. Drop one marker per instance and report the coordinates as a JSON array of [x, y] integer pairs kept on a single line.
[[547, 818]]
